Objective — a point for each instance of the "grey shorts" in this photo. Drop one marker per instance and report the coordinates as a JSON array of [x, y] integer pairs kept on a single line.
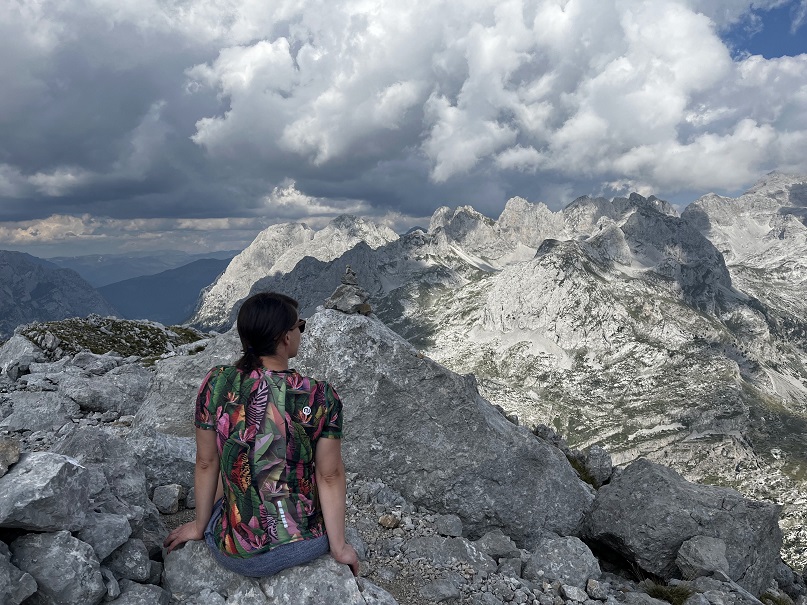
[[268, 563]]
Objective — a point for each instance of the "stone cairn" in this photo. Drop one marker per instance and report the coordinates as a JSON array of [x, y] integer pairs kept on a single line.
[[349, 297]]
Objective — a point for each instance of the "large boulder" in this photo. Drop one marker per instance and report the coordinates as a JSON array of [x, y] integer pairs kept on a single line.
[[459, 454], [9, 453], [66, 569], [169, 404], [121, 389], [567, 560], [38, 411], [120, 485], [16, 355], [321, 581], [44, 492], [649, 511]]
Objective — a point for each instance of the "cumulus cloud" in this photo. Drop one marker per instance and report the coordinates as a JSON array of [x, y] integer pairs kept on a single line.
[[221, 110]]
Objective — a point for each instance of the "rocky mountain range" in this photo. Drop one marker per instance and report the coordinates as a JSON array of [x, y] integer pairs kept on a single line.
[[618, 322], [33, 289]]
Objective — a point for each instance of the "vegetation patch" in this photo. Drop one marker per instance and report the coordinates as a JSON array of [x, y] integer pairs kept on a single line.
[[124, 337], [676, 595]]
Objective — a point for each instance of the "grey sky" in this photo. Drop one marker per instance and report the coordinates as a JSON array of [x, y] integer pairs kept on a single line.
[[130, 124]]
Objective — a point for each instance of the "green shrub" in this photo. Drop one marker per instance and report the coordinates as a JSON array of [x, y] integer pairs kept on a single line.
[[676, 595]]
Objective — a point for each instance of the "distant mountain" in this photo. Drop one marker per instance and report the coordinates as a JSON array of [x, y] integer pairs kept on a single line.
[[32, 289], [168, 297], [277, 250], [104, 269]]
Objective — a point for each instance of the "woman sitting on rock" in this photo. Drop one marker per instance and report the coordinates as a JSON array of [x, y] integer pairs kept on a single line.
[[274, 437]]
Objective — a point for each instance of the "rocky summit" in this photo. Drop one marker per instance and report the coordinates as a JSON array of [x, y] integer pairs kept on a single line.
[[450, 500]]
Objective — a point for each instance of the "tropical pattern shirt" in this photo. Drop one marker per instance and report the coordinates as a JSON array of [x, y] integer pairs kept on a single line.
[[267, 425]]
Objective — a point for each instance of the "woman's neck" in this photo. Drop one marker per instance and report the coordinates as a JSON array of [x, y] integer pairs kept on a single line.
[[275, 363]]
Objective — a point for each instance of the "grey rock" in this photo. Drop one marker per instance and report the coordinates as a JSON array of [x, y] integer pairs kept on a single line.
[[166, 498], [121, 485], [353, 538], [697, 599], [15, 584], [152, 529], [650, 510], [176, 381], [9, 453], [38, 411], [44, 492], [510, 567], [441, 465], [105, 532], [93, 363], [485, 598], [641, 598], [166, 458], [467, 461], [598, 465], [597, 590], [374, 595], [94, 394], [190, 569], [349, 299], [111, 583], [439, 590], [66, 569], [130, 561], [497, 545], [249, 593], [155, 572], [133, 593], [448, 551], [190, 498], [449, 525], [789, 582], [573, 593], [564, 559], [16, 356], [701, 556], [321, 581]]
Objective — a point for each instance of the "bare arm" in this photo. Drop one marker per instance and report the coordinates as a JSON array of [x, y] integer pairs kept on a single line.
[[330, 473], [206, 481]]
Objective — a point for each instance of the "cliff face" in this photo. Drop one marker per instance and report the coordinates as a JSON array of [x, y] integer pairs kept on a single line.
[[35, 290]]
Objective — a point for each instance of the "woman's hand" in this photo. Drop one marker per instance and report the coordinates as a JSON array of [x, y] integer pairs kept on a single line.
[[346, 554], [182, 534]]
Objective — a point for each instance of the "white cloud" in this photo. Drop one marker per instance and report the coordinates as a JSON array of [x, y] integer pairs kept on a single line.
[[286, 200], [573, 86]]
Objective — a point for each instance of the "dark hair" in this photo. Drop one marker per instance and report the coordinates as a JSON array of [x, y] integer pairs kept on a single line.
[[262, 321]]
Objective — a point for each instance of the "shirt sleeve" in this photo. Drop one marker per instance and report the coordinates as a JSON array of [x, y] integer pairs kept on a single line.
[[332, 428], [205, 406]]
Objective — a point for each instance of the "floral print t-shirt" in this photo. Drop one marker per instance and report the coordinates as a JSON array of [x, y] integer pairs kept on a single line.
[[267, 424]]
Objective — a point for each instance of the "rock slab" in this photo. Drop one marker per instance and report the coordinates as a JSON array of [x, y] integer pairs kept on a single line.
[[461, 455], [66, 569], [649, 511], [44, 492]]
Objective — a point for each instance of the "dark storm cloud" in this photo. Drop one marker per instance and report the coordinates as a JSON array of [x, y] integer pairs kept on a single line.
[[193, 109]]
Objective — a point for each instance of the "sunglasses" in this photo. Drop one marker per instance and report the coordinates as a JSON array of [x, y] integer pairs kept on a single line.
[[300, 324]]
